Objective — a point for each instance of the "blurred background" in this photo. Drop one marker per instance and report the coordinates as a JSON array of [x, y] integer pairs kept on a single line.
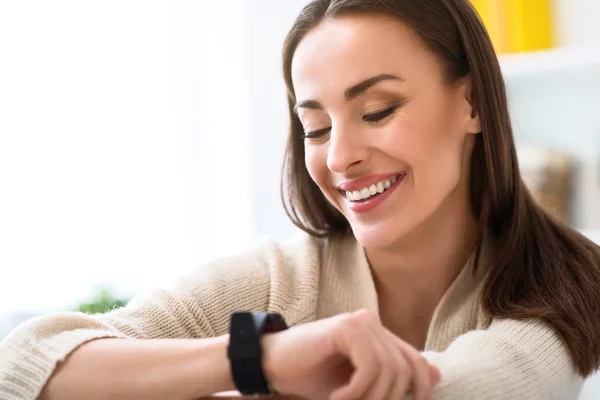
[[139, 139]]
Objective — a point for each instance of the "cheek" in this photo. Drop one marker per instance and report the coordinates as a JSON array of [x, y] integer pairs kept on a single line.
[[431, 135], [429, 143], [316, 164], [440, 158], [315, 159], [415, 141]]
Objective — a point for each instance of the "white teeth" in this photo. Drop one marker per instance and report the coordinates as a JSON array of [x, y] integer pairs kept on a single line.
[[372, 190]]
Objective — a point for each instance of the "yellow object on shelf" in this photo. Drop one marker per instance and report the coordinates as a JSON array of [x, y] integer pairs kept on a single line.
[[517, 25], [492, 13], [529, 25]]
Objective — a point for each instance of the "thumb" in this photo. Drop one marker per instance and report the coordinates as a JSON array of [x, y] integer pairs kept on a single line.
[[434, 375]]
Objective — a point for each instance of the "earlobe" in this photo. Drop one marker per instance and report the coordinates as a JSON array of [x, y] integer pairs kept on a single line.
[[474, 124]]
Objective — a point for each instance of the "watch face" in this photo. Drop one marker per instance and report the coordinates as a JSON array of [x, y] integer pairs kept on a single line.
[[275, 323]]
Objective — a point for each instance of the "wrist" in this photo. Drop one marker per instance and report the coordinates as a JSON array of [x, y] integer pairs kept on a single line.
[[216, 361], [269, 364]]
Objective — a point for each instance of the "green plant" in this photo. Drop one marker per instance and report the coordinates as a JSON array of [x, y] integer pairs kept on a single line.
[[102, 300]]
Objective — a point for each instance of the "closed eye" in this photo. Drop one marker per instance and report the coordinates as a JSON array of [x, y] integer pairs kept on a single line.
[[378, 116], [369, 118], [316, 134]]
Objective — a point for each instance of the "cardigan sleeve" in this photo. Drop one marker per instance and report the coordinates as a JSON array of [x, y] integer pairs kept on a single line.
[[509, 360], [270, 276]]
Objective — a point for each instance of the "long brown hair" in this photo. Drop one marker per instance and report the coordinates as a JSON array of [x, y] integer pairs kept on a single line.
[[544, 269]]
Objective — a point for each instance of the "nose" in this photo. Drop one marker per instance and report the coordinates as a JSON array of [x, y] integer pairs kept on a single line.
[[347, 148]]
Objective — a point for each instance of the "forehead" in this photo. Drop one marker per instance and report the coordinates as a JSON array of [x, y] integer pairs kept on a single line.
[[344, 50]]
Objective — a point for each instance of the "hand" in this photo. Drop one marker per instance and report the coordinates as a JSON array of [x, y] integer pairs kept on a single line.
[[349, 356]]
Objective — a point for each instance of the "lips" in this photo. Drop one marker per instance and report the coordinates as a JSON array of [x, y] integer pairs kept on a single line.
[[366, 181], [372, 190], [360, 204]]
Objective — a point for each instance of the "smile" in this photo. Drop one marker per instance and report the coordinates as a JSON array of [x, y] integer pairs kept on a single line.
[[372, 190], [369, 197]]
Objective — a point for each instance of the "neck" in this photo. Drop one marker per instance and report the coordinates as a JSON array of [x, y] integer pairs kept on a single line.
[[412, 276], [434, 254]]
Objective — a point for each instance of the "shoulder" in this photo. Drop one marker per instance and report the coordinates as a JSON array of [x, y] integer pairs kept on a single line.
[[270, 276], [259, 264]]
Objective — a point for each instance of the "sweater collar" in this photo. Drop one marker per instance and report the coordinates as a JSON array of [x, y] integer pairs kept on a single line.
[[355, 275]]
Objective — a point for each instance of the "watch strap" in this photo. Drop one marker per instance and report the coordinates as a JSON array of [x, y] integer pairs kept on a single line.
[[245, 352]]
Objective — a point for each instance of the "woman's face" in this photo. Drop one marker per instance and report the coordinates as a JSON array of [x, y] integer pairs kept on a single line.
[[387, 139]]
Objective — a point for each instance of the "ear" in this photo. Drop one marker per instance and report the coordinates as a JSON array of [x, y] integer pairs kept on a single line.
[[473, 124]]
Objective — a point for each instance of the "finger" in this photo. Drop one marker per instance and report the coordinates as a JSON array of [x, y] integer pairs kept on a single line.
[[391, 359], [402, 378], [351, 339], [434, 374], [422, 379]]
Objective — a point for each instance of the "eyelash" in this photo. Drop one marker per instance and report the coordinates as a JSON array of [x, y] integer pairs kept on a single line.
[[378, 116], [369, 118]]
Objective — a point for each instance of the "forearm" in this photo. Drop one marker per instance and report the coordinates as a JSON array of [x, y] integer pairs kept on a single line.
[[148, 369]]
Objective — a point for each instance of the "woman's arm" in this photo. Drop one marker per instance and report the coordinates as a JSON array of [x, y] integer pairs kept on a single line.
[[351, 356], [511, 359], [32, 352], [145, 369], [197, 307]]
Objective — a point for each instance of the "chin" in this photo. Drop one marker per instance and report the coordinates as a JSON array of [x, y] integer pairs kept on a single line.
[[378, 237]]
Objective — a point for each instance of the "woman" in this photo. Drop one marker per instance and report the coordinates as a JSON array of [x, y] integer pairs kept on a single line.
[[427, 268]]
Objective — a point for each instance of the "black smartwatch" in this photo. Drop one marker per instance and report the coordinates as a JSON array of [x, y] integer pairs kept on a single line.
[[245, 352]]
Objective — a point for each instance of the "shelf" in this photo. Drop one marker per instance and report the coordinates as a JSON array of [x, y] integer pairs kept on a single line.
[[593, 235], [563, 61]]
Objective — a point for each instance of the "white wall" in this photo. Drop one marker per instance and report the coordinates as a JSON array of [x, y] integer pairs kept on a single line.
[[269, 22], [209, 51], [123, 144], [91, 179], [577, 22]]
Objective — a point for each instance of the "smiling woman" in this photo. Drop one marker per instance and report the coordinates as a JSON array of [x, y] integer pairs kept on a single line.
[[403, 123], [426, 267]]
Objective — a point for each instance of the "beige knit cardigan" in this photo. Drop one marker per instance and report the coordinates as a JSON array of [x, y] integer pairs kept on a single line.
[[307, 279]]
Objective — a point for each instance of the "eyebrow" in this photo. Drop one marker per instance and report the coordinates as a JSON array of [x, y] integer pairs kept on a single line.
[[350, 93]]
